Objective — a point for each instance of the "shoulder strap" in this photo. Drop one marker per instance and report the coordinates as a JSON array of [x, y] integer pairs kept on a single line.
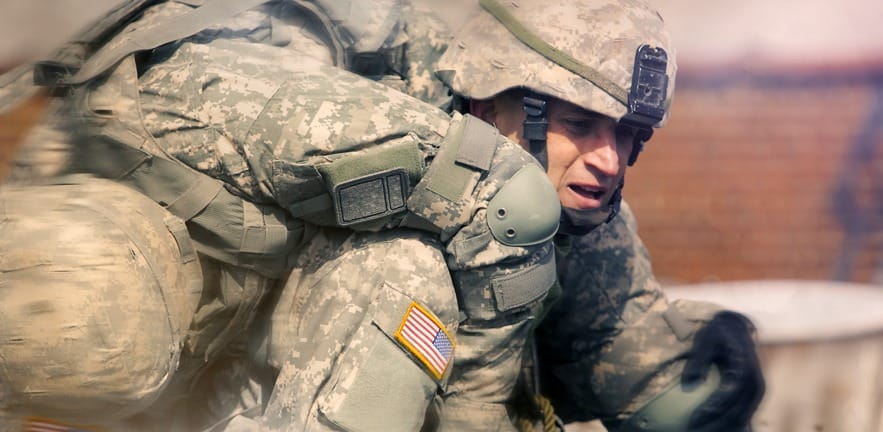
[[174, 29], [72, 64], [69, 58]]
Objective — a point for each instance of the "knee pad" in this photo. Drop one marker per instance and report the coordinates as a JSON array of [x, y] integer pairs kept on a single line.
[[670, 411], [97, 288]]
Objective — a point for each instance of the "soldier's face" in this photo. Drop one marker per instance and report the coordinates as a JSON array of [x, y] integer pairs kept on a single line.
[[587, 152]]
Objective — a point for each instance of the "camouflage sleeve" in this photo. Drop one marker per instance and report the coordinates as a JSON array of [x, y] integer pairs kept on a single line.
[[612, 341], [428, 38]]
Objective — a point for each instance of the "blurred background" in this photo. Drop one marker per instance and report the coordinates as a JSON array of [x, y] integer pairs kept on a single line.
[[764, 192]]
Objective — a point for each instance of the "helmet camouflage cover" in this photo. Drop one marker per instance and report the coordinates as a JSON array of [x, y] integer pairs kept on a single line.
[[586, 53]]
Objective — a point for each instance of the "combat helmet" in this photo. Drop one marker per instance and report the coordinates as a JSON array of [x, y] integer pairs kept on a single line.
[[613, 57], [100, 285]]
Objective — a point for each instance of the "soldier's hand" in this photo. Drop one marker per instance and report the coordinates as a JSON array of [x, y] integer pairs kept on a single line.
[[727, 342]]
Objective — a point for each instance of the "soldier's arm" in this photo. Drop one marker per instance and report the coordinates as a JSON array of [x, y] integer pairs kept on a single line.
[[613, 343]]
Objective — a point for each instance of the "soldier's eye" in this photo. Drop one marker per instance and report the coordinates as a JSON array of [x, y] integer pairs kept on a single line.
[[580, 126]]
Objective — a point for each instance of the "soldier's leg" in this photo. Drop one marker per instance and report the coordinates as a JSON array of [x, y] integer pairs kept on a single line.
[[97, 289], [361, 334]]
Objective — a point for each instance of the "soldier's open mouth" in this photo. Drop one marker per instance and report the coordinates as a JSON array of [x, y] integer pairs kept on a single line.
[[591, 193]]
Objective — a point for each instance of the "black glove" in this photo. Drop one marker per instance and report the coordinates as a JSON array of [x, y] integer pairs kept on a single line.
[[726, 342]]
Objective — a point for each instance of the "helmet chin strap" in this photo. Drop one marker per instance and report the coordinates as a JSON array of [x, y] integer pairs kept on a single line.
[[535, 127]]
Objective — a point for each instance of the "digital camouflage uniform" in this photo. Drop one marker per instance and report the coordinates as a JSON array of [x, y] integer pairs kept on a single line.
[[242, 131], [612, 343], [599, 352]]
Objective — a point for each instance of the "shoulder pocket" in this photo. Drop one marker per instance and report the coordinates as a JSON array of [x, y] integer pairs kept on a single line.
[[389, 372]]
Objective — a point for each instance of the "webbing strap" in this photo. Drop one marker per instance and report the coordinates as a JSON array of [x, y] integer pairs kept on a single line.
[[182, 191], [228, 227], [453, 170], [70, 57], [525, 286], [478, 144], [122, 12], [200, 193], [260, 234], [173, 29], [185, 245], [535, 127], [312, 205], [451, 181], [555, 55]]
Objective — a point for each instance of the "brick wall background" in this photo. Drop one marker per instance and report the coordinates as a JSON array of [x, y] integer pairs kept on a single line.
[[762, 176], [765, 176]]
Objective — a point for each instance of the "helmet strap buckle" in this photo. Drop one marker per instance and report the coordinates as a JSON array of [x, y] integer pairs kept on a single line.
[[535, 126]]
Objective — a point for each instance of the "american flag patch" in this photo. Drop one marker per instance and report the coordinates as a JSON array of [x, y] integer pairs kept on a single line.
[[34, 424], [425, 337]]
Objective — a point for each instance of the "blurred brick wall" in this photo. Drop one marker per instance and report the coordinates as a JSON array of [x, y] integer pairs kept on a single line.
[[743, 182]]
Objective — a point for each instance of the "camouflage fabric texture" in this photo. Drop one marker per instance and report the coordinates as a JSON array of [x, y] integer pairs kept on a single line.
[[602, 35], [343, 305], [264, 117], [427, 39], [612, 341]]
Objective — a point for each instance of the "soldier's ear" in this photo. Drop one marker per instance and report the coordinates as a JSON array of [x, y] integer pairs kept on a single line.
[[484, 109]]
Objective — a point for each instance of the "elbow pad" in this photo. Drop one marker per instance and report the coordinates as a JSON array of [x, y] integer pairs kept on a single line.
[[526, 210]]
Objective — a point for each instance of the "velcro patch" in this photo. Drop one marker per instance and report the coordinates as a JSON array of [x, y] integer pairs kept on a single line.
[[371, 197], [425, 337], [36, 424]]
